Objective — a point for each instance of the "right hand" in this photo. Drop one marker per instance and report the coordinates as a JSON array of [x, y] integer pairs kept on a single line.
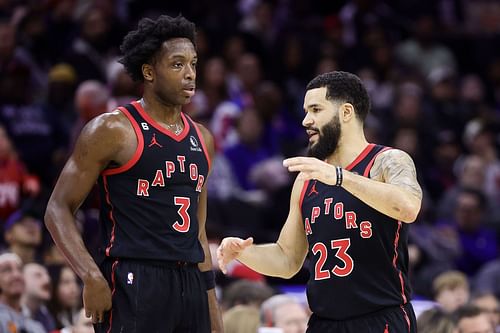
[[96, 297], [229, 249]]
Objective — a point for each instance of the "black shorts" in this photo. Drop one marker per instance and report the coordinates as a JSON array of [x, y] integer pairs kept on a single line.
[[155, 297], [391, 320]]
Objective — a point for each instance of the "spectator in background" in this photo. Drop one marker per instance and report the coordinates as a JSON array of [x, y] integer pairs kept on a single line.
[[12, 288], [479, 244], [451, 290], [245, 292], [61, 93], [488, 278], [241, 319], [285, 312], [212, 91], [23, 235], [35, 130], [65, 302], [91, 50], [15, 181], [470, 319], [489, 304], [479, 138], [37, 294], [122, 88], [422, 51], [435, 321], [91, 99], [470, 174]]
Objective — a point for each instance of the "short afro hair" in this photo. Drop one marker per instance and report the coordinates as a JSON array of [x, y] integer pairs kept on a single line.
[[142, 45], [346, 88]]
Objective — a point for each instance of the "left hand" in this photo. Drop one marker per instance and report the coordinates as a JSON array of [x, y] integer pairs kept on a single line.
[[312, 168]]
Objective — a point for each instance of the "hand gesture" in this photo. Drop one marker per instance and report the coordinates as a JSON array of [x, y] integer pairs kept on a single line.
[[229, 249], [312, 168], [96, 297]]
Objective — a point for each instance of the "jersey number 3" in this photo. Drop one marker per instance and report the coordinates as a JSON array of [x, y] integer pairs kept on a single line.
[[341, 245], [184, 204]]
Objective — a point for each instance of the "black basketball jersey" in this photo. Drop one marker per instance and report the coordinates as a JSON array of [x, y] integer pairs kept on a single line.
[[149, 205], [358, 256]]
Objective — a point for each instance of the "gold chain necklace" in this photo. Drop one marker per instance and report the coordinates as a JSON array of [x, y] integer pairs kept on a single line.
[[176, 128]]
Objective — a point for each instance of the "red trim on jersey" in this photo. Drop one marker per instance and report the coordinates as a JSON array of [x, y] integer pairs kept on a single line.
[[394, 260], [370, 164], [160, 128], [202, 139], [360, 156], [406, 318], [111, 217], [138, 151], [113, 286], [303, 193]]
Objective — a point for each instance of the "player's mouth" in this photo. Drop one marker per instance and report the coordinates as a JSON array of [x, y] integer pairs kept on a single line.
[[189, 89], [312, 134]]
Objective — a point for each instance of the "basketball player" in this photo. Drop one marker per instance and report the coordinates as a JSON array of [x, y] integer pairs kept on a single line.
[[151, 163], [349, 211]]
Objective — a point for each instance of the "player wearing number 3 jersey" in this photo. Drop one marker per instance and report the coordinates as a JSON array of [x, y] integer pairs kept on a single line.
[[151, 163], [350, 208]]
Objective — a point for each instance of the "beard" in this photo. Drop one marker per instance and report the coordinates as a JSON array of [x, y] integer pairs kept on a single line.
[[328, 140]]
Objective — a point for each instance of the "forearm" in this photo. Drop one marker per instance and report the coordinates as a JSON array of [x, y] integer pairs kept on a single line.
[[214, 310], [268, 259], [388, 199], [61, 224]]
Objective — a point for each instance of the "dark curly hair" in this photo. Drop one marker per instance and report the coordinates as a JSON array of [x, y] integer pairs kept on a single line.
[[344, 87], [141, 46]]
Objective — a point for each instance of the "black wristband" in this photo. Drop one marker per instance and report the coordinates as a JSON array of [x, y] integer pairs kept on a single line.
[[209, 277], [339, 176]]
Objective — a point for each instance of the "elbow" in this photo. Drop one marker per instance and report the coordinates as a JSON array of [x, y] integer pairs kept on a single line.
[[293, 269], [48, 217], [410, 213]]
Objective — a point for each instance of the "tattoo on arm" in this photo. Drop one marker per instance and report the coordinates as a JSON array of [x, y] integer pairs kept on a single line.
[[396, 167]]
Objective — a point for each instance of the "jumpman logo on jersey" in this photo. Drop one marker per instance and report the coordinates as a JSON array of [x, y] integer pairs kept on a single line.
[[313, 189], [154, 142]]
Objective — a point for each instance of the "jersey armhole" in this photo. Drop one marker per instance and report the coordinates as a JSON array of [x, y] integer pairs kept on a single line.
[[366, 173], [138, 151], [303, 193], [202, 140]]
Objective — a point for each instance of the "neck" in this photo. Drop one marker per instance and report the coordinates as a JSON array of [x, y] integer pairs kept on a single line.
[[32, 303], [13, 302], [349, 147], [26, 253], [160, 110]]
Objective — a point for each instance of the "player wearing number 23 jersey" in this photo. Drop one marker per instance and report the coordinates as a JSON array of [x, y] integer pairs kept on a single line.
[[350, 207], [358, 260]]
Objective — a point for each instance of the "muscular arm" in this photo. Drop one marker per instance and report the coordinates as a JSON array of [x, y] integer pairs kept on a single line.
[[215, 315], [285, 257], [95, 148], [393, 188]]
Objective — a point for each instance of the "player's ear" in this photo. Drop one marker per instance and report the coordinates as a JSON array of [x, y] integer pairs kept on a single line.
[[346, 112], [147, 72]]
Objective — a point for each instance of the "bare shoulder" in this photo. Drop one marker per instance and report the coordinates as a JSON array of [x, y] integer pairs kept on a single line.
[[396, 167], [105, 135], [298, 185]]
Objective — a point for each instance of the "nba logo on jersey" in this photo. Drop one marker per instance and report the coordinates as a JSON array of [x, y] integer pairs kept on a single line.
[[194, 144], [130, 278]]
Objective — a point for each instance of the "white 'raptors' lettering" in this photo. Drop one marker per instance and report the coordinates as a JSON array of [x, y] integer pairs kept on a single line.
[[161, 176], [349, 217]]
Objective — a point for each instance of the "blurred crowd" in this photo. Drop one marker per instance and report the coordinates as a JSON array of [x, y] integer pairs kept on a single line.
[[432, 69]]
